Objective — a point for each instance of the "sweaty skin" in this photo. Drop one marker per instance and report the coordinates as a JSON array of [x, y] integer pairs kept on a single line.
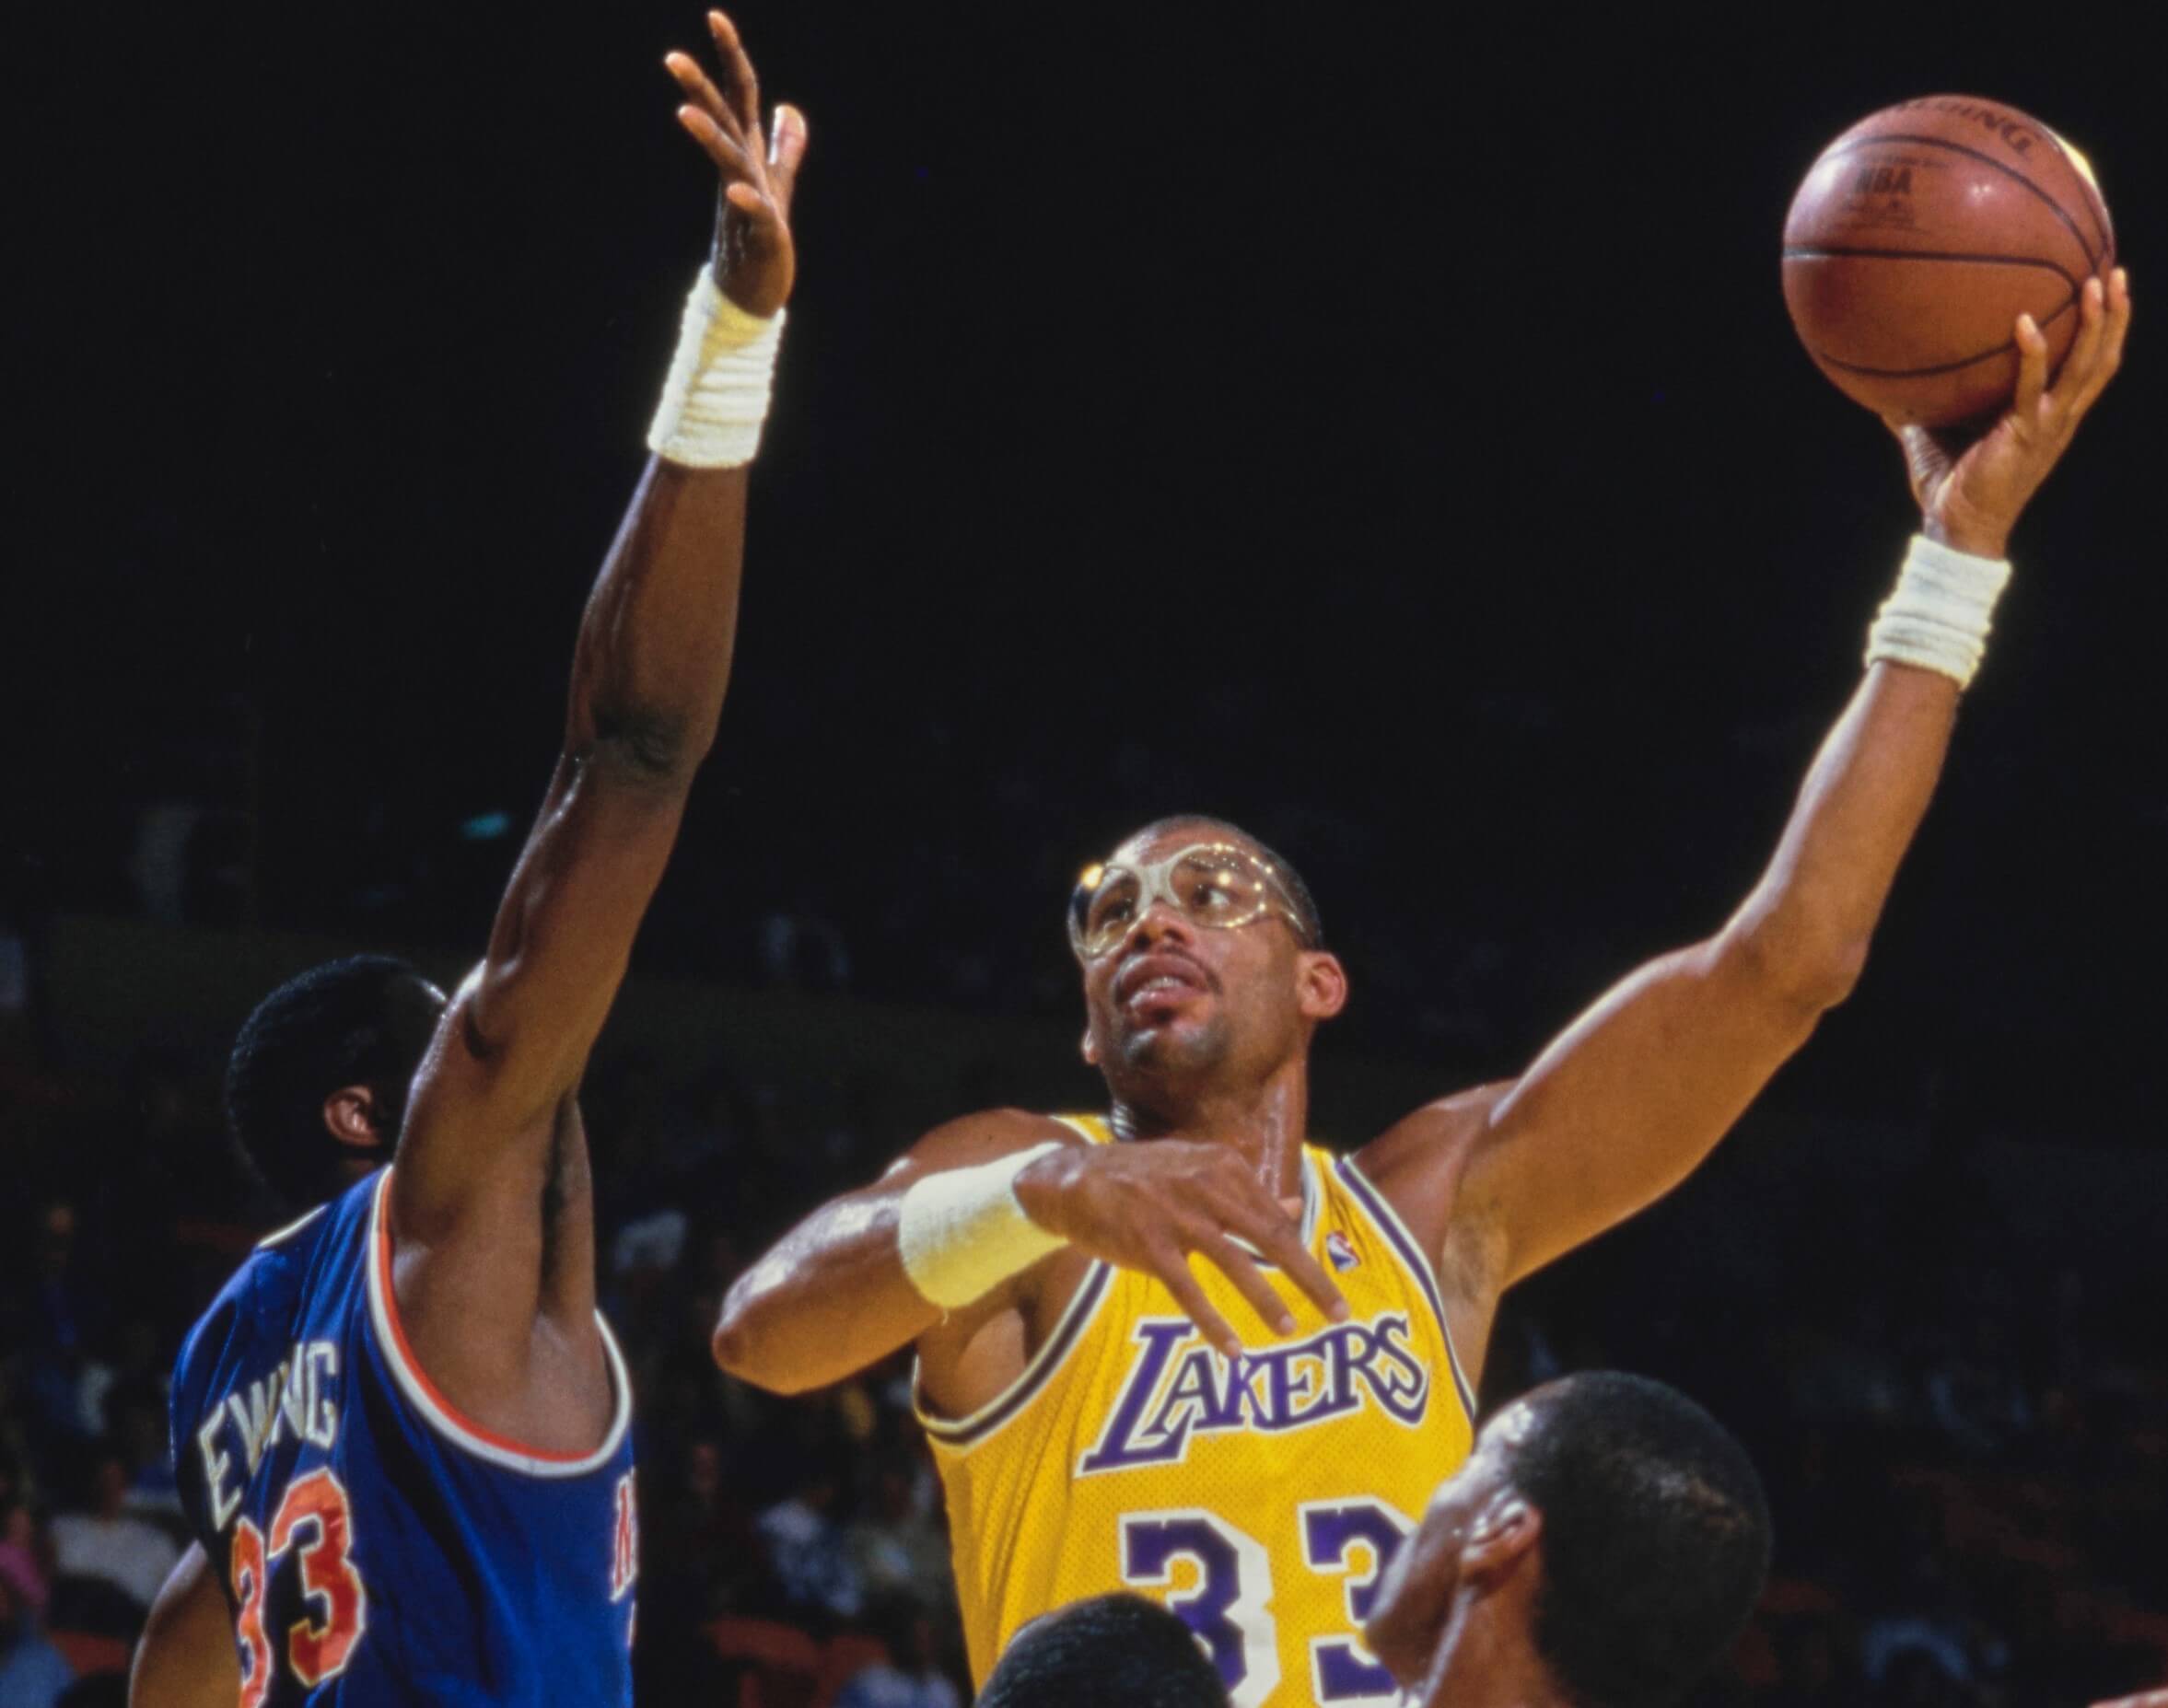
[[491, 1201], [1495, 1181]]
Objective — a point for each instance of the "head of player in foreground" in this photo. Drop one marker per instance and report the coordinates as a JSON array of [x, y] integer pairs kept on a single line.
[[316, 1087], [1117, 1649], [1600, 1548], [1206, 970]]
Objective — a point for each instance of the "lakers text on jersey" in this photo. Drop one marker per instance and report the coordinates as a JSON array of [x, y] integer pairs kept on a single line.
[[1260, 1500]]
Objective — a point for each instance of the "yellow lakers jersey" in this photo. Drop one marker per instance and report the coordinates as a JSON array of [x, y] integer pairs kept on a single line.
[[1259, 1501]]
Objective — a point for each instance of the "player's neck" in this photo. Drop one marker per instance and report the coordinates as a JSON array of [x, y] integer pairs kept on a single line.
[[1266, 1122], [1485, 1661]]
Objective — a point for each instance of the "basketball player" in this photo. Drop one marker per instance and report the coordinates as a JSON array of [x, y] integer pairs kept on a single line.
[[1602, 1548], [1116, 1648], [400, 1431], [317, 1080], [1073, 1286]]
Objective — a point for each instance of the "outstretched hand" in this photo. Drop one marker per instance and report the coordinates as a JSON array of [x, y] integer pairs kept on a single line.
[[1971, 492], [1148, 1206], [754, 258]]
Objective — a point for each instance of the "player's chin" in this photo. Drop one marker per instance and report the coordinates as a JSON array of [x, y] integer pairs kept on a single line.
[[1164, 1033], [1166, 1011]]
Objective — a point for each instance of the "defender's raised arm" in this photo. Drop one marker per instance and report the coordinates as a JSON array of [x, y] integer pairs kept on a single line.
[[465, 1408], [491, 1125]]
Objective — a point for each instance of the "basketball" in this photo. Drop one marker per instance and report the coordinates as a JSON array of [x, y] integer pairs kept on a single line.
[[1917, 239]]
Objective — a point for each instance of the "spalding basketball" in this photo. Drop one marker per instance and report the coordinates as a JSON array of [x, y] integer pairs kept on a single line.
[[1920, 237]]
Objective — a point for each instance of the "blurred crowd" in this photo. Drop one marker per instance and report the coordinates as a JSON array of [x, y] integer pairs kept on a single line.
[[946, 884], [1967, 1452]]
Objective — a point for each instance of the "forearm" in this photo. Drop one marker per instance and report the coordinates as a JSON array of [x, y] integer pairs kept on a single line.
[[831, 1299], [1818, 903], [653, 657], [1809, 918], [654, 652], [943, 1233], [1638, 1089]]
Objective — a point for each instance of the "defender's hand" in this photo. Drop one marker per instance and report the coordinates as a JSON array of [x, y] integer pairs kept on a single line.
[[1148, 1206], [1970, 496], [754, 258]]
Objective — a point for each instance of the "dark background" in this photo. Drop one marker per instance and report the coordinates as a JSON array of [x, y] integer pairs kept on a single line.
[[1386, 433], [1389, 435]]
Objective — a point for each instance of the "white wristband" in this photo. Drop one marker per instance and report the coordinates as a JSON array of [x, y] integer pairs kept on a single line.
[[717, 395], [962, 1233], [1939, 617]]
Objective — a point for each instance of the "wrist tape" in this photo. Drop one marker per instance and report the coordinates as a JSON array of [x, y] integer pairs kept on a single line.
[[961, 1232], [1937, 617], [717, 395]]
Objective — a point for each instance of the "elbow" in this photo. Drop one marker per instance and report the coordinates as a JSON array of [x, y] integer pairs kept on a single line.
[[1797, 959], [741, 1347], [734, 1345], [647, 744]]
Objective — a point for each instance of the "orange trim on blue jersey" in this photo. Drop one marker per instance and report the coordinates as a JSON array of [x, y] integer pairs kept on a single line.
[[411, 1367]]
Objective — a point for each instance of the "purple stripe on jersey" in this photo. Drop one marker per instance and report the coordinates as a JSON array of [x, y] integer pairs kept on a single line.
[[1381, 1213], [1034, 1378]]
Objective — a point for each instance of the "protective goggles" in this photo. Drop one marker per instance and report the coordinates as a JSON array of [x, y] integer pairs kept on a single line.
[[1218, 885]]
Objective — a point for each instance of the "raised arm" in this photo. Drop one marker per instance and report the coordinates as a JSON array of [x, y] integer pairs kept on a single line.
[[491, 1100], [1638, 1090]]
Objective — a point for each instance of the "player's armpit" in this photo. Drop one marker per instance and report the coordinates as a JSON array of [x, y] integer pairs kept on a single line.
[[1420, 1164], [186, 1657]]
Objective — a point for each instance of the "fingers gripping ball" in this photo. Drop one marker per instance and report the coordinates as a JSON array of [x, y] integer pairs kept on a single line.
[[1918, 238]]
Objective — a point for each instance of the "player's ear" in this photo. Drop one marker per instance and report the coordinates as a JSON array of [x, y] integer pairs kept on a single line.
[[1500, 1540], [1088, 1049], [350, 1116], [1322, 985]]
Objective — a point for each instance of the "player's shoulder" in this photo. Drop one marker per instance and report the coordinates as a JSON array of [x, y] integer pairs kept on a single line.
[[273, 1284], [295, 1254], [972, 1138], [1434, 1140], [293, 1230]]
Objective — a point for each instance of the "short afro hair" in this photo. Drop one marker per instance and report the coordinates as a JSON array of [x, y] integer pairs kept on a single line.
[[1313, 929], [1655, 1537], [362, 1021], [1117, 1649]]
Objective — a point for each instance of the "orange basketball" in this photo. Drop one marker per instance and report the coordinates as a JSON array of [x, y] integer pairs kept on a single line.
[[1918, 238]]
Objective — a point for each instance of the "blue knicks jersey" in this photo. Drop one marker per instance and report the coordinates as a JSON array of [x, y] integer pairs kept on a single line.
[[376, 1546]]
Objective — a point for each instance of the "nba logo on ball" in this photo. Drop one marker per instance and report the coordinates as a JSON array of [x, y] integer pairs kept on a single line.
[[1340, 1252], [1921, 234]]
